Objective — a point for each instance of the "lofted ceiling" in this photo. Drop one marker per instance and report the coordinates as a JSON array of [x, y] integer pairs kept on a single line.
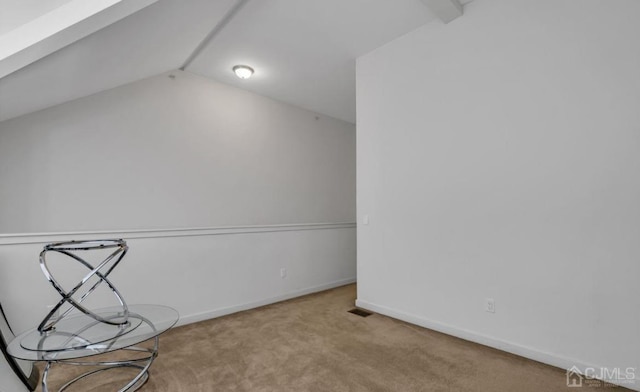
[[24, 11], [303, 51]]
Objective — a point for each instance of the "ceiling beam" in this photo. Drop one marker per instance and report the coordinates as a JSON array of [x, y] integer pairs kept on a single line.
[[446, 10], [56, 29], [214, 31]]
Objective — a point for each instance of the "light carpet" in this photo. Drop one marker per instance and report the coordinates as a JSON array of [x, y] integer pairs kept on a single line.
[[312, 343]]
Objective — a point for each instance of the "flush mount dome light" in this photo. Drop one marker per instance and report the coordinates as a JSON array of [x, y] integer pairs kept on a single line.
[[243, 71]]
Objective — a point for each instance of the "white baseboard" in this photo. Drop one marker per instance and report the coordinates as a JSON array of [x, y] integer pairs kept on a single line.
[[194, 318], [513, 348]]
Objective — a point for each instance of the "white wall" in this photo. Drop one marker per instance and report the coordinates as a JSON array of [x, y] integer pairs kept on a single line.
[[498, 157], [201, 273], [167, 153], [214, 188]]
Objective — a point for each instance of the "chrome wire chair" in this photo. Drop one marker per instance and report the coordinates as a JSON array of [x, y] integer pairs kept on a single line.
[[25, 372]]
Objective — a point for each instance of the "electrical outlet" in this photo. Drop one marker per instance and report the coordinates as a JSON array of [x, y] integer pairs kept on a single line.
[[283, 273], [490, 305]]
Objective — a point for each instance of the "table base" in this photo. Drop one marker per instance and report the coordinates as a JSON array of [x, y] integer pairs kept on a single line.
[[142, 364]]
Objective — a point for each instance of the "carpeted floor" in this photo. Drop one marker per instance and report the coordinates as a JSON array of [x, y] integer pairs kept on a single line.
[[313, 344]]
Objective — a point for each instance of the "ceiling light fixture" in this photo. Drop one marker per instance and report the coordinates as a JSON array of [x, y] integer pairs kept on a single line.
[[243, 71]]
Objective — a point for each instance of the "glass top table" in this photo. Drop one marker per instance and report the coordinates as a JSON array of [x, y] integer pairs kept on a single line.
[[74, 334], [81, 336]]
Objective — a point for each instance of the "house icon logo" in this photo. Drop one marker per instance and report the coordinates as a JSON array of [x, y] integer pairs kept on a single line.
[[574, 377]]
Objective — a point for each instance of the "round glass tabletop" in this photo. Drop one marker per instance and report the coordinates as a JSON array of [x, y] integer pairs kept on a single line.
[[81, 336]]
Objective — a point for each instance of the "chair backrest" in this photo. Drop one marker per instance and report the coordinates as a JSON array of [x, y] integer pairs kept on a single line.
[[24, 371]]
